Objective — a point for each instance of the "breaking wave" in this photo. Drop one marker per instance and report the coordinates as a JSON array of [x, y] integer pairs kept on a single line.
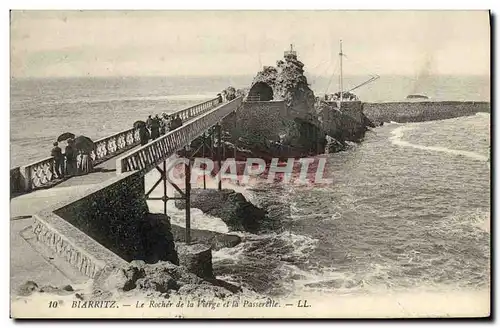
[[397, 135]]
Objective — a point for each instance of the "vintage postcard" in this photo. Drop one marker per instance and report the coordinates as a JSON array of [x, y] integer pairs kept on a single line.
[[250, 164]]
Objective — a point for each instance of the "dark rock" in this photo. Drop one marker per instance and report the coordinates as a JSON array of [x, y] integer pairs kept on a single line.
[[334, 146], [180, 273], [226, 285], [296, 125], [206, 200], [28, 288], [161, 282], [157, 239], [197, 258], [68, 288], [232, 207], [204, 291], [214, 239], [162, 278], [112, 279]]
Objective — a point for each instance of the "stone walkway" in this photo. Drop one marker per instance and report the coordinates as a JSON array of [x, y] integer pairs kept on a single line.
[[30, 260]]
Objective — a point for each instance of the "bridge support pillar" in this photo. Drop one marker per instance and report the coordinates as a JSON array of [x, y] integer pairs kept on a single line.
[[203, 156], [187, 197], [164, 178], [219, 153]]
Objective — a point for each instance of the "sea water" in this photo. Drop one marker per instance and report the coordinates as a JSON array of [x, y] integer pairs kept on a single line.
[[409, 208]]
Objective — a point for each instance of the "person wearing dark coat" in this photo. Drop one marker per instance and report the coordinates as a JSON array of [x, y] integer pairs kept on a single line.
[[58, 160], [155, 129], [177, 121], [70, 154], [143, 135], [171, 124], [149, 121], [163, 127], [164, 123]]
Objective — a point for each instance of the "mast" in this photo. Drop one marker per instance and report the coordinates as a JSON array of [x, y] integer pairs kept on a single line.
[[340, 77]]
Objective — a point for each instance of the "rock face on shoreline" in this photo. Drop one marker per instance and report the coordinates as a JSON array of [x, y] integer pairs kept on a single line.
[[281, 116], [215, 240], [157, 239], [197, 258], [162, 278], [288, 83], [232, 207], [345, 124], [279, 108]]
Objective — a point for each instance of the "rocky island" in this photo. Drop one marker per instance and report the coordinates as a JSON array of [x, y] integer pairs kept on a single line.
[[284, 118]]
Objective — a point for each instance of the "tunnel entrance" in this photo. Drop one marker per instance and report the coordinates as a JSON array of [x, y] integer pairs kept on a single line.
[[260, 91]]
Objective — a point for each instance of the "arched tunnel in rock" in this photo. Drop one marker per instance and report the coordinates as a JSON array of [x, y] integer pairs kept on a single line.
[[261, 91]]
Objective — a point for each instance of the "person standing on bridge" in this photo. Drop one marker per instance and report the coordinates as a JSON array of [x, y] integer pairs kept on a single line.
[[149, 121], [143, 134], [155, 128], [171, 123], [85, 163], [70, 154], [164, 124], [58, 161], [177, 122]]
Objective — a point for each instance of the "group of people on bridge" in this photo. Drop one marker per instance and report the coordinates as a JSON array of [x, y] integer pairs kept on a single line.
[[73, 161], [155, 127], [76, 161]]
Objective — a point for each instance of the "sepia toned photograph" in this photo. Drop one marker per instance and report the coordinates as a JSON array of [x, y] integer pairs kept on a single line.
[[228, 164]]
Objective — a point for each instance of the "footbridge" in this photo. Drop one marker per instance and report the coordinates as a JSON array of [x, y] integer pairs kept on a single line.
[[97, 220]]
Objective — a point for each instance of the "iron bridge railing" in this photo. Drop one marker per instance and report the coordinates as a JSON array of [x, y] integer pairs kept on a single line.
[[149, 156]]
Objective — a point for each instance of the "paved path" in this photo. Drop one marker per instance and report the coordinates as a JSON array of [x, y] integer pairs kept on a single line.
[[31, 260]]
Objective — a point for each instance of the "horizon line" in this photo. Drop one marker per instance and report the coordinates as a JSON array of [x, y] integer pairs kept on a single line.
[[226, 75]]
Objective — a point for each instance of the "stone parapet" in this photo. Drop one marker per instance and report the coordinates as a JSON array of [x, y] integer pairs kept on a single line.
[[71, 244]]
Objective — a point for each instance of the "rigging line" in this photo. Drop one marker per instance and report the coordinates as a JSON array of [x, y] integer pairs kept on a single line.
[[331, 77], [327, 67], [321, 63], [373, 77], [358, 63]]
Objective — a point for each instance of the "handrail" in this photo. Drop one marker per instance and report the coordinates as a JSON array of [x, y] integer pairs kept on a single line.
[[148, 156], [40, 173]]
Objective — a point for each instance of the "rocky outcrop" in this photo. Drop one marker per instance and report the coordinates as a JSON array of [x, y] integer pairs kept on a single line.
[[263, 123], [345, 124], [157, 239], [288, 83], [30, 287], [162, 278], [197, 258], [333, 145], [215, 240], [298, 130], [232, 207]]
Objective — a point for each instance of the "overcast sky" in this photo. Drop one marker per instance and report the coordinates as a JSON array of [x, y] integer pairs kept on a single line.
[[107, 43]]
